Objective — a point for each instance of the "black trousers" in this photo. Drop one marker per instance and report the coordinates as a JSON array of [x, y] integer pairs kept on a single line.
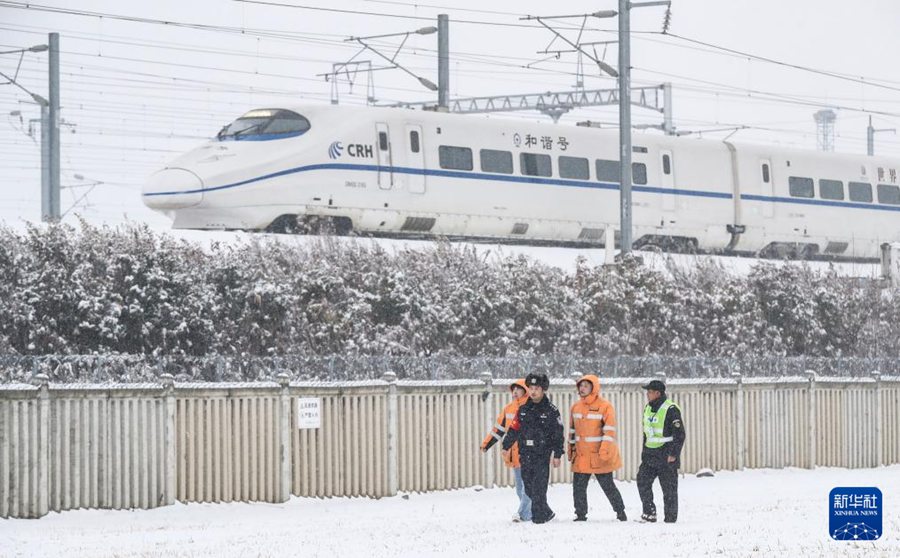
[[668, 480], [579, 492], [536, 477]]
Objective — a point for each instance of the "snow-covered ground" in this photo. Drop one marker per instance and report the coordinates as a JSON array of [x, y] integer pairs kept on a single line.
[[751, 513]]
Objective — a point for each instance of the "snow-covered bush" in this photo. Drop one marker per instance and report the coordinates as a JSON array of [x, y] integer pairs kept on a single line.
[[96, 290]]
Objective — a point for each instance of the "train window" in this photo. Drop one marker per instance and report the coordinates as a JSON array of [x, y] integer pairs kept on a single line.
[[456, 158], [638, 149], [860, 191], [831, 189], [765, 172], [638, 173], [493, 160], [534, 164], [265, 124], [801, 187], [382, 141], [414, 141], [889, 194], [667, 164], [574, 167], [607, 171]]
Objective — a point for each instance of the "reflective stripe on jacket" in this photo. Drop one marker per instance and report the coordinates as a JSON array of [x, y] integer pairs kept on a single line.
[[654, 424], [592, 432], [504, 419]]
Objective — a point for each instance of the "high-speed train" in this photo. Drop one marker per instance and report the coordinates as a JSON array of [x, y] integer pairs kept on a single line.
[[391, 171]]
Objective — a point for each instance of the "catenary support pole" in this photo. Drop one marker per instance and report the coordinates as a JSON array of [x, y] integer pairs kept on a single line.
[[625, 125], [45, 163], [443, 61], [54, 203]]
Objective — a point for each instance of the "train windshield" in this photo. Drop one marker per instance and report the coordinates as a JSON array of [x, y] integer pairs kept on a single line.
[[265, 124]]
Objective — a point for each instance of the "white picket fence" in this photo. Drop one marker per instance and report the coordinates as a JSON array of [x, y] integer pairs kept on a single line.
[[140, 446]]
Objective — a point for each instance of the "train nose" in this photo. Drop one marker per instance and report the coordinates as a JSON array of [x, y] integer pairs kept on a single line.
[[172, 188]]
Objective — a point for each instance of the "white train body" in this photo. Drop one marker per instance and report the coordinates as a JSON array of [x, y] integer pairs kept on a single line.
[[395, 172]]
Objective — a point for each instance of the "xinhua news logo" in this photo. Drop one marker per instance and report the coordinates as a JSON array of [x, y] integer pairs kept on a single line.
[[855, 513]]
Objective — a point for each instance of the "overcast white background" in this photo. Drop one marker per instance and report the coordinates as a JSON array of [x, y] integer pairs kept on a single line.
[[137, 93]]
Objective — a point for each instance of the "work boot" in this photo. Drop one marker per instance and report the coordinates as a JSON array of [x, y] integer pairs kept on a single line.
[[580, 518], [648, 517], [621, 516], [670, 519]]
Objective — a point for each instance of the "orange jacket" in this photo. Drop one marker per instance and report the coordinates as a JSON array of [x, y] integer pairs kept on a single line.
[[503, 421], [592, 433]]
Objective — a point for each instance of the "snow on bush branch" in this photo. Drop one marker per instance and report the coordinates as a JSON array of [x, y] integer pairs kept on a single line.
[[130, 290]]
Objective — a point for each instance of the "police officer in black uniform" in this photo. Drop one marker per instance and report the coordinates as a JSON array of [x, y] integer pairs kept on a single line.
[[661, 453], [538, 428]]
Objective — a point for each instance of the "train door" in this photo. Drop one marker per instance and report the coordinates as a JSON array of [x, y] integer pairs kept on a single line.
[[415, 159], [768, 187], [385, 160], [667, 164]]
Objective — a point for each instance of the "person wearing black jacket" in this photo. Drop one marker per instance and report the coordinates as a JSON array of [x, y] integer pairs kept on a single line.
[[538, 428], [661, 453]]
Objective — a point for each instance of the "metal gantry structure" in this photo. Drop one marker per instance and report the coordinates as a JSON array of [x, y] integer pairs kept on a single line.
[[350, 72], [556, 103], [825, 129]]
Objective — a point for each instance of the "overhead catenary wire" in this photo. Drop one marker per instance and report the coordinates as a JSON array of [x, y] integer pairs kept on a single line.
[[250, 31], [868, 82]]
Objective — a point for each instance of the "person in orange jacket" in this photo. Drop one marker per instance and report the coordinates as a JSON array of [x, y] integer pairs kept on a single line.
[[593, 449], [519, 393]]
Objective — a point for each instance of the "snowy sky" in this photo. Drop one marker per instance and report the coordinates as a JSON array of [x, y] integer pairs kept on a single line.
[[136, 91]]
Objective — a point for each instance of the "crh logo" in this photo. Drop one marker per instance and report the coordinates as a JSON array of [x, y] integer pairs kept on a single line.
[[335, 149]]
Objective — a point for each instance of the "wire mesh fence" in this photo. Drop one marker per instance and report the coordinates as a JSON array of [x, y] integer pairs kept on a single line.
[[222, 368]]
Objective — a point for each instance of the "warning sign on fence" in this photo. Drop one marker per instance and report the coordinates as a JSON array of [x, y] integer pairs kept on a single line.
[[309, 412]]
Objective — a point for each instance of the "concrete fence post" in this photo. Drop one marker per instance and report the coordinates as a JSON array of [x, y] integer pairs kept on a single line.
[[811, 405], [42, 467], [285, 431], [740, 425], [168, 383], [879, 430], [393, 422], [487, 418]]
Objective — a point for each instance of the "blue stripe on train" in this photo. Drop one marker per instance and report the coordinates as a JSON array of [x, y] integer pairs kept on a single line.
[[534, 180], [453, 174]]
